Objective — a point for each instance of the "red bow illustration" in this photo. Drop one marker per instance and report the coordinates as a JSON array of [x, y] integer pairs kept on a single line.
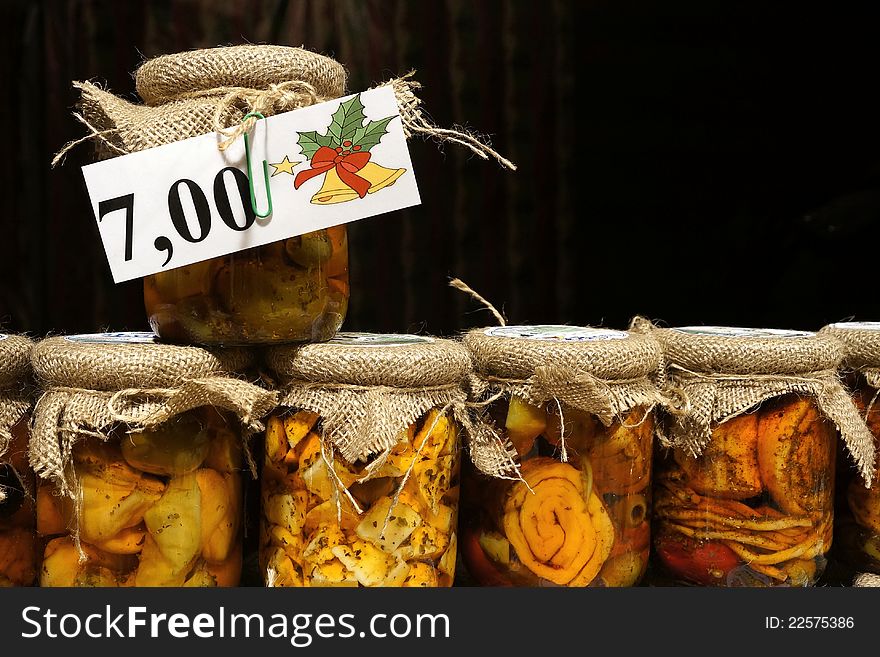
[[347, 163]]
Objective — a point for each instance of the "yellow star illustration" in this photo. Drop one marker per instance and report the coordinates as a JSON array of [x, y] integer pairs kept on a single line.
[[285, 166]]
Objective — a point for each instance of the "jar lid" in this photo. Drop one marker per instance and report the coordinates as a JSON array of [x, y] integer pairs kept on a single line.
[[373, 359], [738, 350], [515, 351], [15, 357], [115, 361], [861, 342], [252, 66]]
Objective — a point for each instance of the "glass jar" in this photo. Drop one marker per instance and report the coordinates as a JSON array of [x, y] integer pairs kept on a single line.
[[580, 515], [576, 523], [352, 494], [18, 541], [151, 508], [857, 526], [405, 532], [138, 447], [756, 507], [294, 290], [744, 495]]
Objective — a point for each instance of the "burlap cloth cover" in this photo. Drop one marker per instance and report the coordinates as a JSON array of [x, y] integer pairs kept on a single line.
[[864, 580], [605, 373], [90, 388], [861, 348], [723, 372], [369, 388], [200, 91], [15, 366]]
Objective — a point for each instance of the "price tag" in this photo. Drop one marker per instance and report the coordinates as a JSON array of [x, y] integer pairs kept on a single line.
[[328, 164]]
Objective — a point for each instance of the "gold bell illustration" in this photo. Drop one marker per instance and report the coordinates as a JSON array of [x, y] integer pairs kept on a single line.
[[335, 191]]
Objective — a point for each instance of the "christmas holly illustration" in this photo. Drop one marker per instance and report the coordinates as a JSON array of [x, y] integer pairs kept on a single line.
[[342, 156]]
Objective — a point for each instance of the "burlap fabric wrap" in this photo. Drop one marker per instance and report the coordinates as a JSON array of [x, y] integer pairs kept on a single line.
[[722, 376], [15, 367], [865, 580], [89, 389], [861, 348], [368, 395], [604, 377], [200, 91]]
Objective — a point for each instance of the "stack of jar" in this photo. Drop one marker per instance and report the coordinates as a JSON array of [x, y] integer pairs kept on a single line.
[[140, 445], [140, 441]]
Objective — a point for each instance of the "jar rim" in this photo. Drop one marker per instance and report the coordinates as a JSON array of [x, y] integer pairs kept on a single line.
[[109, 361], [396, 360], [605, 353]]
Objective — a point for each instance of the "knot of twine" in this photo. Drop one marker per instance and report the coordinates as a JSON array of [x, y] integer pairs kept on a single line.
[[276, 98]]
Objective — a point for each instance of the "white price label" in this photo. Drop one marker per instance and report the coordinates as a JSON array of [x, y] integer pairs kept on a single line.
[[328, 164]]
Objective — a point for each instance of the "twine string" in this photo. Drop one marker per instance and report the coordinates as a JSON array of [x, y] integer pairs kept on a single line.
[[460, 285]]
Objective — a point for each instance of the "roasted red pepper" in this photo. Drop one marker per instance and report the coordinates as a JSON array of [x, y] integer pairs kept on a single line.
[[702, 562]]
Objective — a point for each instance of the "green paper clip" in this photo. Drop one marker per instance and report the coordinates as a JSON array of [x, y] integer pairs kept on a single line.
[[247, 151]]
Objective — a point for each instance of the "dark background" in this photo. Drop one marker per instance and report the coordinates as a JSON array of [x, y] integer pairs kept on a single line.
[[693, 161]]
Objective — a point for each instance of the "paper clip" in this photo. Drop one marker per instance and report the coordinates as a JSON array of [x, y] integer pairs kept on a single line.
[[247, 151]]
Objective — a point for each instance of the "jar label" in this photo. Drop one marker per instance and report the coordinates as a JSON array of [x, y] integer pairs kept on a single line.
[[737, 332], [379, 339], [857, 326], [312, 168], [119, 337], [556, 333]]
